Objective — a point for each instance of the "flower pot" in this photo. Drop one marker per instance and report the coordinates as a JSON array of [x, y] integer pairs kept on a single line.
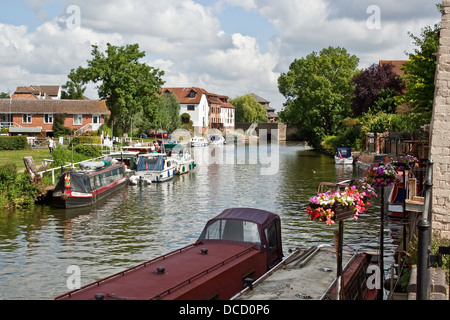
[[340, 212], [343, 212]]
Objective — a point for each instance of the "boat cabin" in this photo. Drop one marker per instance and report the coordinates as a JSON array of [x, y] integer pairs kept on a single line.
[[343, 153], [235, 248], [244, 225]]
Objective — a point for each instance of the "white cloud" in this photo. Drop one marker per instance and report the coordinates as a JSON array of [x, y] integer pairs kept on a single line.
[[186, 40]]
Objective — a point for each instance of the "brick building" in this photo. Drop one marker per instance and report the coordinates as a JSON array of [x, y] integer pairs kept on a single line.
[[36, 116]]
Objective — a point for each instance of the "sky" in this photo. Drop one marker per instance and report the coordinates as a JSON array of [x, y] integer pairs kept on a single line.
[[227, 47]]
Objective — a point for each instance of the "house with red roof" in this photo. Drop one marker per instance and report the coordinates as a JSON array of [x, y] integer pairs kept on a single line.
[[206, 110], [35, 117], [37, 92]]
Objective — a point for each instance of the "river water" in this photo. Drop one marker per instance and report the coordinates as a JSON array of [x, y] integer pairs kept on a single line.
[[38, 246]]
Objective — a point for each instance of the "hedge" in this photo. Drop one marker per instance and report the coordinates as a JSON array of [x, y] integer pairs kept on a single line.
[[13, 143]]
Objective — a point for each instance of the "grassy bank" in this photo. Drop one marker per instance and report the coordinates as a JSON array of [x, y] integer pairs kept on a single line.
[[16, 156]]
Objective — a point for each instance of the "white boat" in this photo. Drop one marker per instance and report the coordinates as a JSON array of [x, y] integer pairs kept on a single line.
[[129, 158], [216, 139], [343, 156], [198, 141], [154, 167], [181, 155]]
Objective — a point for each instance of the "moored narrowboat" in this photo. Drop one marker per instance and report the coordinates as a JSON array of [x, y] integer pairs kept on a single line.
[[311, 275], [91, 183], [237, 245]]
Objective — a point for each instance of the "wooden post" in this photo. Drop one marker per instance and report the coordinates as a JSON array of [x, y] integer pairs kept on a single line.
[[35, 177]]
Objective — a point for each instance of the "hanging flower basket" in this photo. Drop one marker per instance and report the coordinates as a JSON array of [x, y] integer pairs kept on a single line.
[[404, 162], [365, 190], [335, 206], [381, 175]]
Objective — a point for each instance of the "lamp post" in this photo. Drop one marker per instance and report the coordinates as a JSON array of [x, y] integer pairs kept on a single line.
[[381, 258], [10, 115]]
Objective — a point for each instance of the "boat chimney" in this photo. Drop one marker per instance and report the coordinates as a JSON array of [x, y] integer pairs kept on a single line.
[[160, 270], [99, 296]]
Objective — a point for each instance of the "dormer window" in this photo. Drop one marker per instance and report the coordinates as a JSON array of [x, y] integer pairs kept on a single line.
[[192, 94]]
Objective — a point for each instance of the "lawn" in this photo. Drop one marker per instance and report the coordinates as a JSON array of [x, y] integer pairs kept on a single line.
[[16, 157]]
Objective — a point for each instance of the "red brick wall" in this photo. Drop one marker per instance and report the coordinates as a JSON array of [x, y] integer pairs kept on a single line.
[[38, 121]]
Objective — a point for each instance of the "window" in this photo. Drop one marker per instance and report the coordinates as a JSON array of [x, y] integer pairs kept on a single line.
[[77, 119], [96, 119], [191, 107], [271, 236], [48, 118], [27, 118], [233, 230], [192, 94]]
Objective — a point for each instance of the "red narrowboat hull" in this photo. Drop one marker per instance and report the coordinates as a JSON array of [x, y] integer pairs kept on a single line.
[[68, 198]]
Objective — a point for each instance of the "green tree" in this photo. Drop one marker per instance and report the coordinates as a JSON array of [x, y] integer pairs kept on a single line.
[[168, 112], [318, 92], [419, 73], [58, 125], [129, 87], [247, 109]]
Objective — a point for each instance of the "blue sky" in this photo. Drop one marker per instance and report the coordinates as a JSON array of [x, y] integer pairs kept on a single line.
[[230, 47]]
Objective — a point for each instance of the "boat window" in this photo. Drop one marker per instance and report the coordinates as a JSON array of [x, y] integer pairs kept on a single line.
[[236, 230], [271, 236]]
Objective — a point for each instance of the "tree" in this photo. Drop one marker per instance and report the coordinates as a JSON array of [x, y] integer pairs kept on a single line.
[[419, 73], [318, 92], [129, 87], [375, 86], [247, 109], [168, 112], [58, 125]]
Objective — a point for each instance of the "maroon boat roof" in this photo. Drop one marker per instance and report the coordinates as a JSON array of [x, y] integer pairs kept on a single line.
[[258, 216], [184, 269]]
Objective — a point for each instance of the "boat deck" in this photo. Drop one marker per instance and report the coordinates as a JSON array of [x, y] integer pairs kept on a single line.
[[304, 275], [170, 276]]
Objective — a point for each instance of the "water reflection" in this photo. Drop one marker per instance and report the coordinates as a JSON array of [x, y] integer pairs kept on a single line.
[[139, 223]]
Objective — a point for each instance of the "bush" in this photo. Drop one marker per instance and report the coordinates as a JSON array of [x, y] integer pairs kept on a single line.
[[349, 137], [87, 140], [329, 144], [13, 143], [16, 190], [88, 150]]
